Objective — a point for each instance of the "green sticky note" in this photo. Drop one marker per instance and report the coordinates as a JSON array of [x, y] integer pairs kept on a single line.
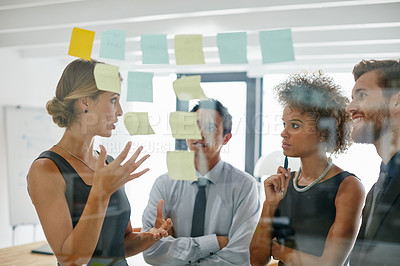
[[107, 78], [112, 44], [276, 46], [187, 88], [184, 125], [189, 49], [140, 86], [180, 165], [154, 49], [232, 47], [81, 43], [137, 123]]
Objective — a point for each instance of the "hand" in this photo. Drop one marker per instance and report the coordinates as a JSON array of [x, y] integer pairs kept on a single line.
[[276, 249], [161, 226], [109, 178], [275, 186], [222, 241]]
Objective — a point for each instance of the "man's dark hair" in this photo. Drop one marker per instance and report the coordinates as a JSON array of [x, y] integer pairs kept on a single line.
[[213, 104], [388, 72]]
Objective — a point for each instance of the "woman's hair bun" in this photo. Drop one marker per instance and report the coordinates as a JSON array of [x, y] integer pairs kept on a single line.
[[60, 111]]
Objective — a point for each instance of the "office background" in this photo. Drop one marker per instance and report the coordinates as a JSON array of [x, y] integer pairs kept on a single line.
[[327, 34]]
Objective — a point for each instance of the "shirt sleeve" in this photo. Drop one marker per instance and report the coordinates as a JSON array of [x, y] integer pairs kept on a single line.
[[241, 232], [170, 250]]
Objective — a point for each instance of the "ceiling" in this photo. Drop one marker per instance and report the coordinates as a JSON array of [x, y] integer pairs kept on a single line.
[[327, 34]]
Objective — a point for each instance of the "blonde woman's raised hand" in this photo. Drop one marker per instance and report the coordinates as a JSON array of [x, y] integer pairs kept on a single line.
[[161, 225], [109, 178]]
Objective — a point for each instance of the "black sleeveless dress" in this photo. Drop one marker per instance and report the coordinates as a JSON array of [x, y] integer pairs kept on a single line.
[[303, 219], [110, 246]]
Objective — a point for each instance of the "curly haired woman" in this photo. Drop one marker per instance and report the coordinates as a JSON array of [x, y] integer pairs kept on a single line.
[[311, 216]]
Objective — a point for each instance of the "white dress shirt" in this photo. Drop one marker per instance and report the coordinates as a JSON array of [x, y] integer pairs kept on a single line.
[[232, 210]]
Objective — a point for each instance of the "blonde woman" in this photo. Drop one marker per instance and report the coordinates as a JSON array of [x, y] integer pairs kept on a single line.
[[79, 193]]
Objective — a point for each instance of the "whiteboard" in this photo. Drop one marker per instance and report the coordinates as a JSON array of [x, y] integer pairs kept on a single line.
[[29, 131]]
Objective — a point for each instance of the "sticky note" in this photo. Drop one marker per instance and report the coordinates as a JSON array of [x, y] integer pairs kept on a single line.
[[137, 123], [180, 165], [276, 46], [154, 49], [232, 47], [140, 86], [112, 44], [184, 125], [107, 78], [189, 49], [187, 88], [81, 43]]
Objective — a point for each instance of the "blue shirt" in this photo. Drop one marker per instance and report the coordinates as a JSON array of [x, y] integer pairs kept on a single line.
[[232, 210]]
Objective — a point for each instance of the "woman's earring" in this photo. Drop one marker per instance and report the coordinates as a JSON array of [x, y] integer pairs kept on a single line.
[[86, 111]]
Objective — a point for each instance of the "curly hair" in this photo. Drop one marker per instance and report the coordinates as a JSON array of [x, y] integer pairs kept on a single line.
[[317, 95]]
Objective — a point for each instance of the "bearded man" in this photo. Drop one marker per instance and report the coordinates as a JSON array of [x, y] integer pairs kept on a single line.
[[375, 110]]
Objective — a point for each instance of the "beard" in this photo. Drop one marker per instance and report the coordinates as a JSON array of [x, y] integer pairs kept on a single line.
[[374, 125]]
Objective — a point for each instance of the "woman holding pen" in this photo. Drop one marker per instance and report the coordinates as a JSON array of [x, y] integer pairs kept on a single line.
[[310, 216]]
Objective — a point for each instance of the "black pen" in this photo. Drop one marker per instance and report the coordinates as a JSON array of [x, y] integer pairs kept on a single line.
[[286, 163]]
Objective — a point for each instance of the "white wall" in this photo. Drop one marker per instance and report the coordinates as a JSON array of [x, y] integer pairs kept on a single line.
[[25, 82]]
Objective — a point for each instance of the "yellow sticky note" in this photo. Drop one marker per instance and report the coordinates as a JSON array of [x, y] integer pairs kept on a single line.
[[81, 43], [181, 165], [107, 78], [184, 125], [137, 123], [187, 88], [189, 49]]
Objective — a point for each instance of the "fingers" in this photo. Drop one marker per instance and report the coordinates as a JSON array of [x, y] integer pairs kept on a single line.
[[282, 170], [160, 206], [138, 174], [138, 163], [102, 157], [160, 218], [131, 165], [133, 158], [279, 183], [121, 157], [167, 224]]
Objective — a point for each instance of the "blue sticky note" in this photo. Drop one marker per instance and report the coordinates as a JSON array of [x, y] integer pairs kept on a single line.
[[112, 44], [140, 86], [232, 47], [154, 49], [276, 46]]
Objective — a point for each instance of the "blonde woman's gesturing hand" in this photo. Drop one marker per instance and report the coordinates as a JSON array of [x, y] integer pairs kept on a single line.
[[108, 178]]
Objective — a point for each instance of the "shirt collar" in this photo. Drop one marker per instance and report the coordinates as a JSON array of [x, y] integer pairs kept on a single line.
[[214, 173], [393, 166]]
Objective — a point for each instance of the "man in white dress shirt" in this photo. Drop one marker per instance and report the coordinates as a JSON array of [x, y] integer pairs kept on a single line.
[[232, 205]]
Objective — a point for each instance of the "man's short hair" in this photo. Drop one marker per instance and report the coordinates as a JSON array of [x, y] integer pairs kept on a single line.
[[213, 104], [388, 72]]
